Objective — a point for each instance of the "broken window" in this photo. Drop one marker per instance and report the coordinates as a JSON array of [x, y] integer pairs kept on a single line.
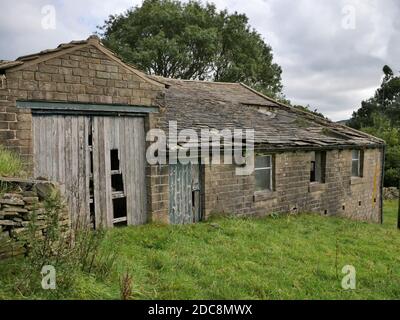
[[264, 172], [117, 187], [119, 206], [114, 160], [357, 163], [318, 164], [91, 183]]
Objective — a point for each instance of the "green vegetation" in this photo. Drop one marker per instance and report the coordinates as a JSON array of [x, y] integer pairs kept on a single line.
[[386, 102], [380, 116], [383, 129], [286, 257], [193, 41], [10, 164], [72, 257]]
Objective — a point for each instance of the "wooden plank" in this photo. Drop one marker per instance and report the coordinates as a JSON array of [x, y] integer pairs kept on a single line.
[[118, 220], [67, 168], [61, 150], [107, 173], [87, 167], [124, 165], [134, 166], [196, 188], [101, 172], [74, 177], [46, 166], [118, 194], [142, 170], [81, 187], [98, 177], [53, 146], [36, 145], [129, 171], [96, 171]]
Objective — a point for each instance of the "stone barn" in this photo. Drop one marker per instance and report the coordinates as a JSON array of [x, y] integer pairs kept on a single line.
[[79, 115]]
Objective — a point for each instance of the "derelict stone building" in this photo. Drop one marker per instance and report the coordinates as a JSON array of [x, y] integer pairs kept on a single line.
[[79, 115]]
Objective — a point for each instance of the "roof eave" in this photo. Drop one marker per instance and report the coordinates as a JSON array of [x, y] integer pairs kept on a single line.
[[321, 120]]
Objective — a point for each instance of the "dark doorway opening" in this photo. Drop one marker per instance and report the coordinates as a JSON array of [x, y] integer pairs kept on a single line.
[[118, 192]]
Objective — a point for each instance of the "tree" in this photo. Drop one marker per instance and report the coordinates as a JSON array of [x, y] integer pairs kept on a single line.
[[382, 128], [193, 41], [386, 101], [380, 116]]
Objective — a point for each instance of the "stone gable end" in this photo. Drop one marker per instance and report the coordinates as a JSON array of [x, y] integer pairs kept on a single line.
[[84, 75]]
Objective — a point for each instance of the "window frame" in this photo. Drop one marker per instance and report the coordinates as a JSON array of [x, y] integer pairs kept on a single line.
[[360, 160], [318, 163], [266, 169]]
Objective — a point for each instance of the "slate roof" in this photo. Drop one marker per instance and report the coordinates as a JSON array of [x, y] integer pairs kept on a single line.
[[202, 104], [213, 105]]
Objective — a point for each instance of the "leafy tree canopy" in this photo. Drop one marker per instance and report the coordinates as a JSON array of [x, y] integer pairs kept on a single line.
[[380, 116], [193, 41], [383, 129], [386, 101]]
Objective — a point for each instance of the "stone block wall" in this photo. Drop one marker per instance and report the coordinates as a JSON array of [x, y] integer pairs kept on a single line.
[[86, 75], [226, 193], [23, 202], [158, 192], [341, 194], [391, 193]]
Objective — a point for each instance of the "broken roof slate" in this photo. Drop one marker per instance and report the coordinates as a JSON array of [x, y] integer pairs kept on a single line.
[[216, 105], [199, 104]]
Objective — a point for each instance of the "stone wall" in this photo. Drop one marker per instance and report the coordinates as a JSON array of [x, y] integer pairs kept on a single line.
[[86, 75], [390, 193], [341, 195], [22, 202], [158, 192]]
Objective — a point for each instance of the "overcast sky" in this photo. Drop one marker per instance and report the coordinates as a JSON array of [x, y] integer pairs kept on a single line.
[[331, 52]]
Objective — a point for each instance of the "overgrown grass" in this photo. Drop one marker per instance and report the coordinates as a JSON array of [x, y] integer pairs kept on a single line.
[[10, 164], [288, 257]]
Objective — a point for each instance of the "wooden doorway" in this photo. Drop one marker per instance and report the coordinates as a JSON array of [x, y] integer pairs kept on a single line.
[[185, 193], [99, 162]]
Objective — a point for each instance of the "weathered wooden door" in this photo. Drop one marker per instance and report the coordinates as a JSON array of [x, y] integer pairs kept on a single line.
[[61, 154], [184, 193], [119, 167], [100, 165]]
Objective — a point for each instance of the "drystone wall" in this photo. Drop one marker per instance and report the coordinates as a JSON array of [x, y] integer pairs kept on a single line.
[[22, 212], [391, 193]]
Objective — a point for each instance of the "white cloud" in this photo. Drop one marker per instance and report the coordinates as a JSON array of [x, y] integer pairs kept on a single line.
[[324, 65]]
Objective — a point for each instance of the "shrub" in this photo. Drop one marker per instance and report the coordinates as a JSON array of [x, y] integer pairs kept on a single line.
[[126, 286], [69, 253], [10, 164]]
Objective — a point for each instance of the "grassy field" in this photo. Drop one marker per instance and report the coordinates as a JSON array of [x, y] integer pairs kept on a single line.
[[289, 257]]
